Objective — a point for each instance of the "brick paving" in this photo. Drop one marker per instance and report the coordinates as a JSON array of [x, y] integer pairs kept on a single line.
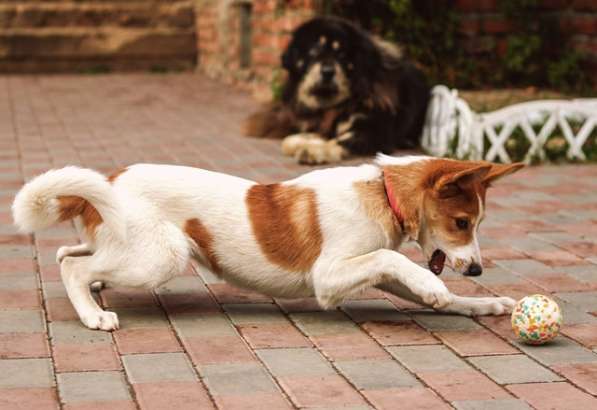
[[199, 343]]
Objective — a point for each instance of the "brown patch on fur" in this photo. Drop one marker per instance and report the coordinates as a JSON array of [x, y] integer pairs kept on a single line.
[[72, 206], [372, 195], [285, 222], [204, 240], [113, 176]]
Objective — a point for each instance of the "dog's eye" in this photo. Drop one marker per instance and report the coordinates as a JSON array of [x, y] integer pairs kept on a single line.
[[461, 223]]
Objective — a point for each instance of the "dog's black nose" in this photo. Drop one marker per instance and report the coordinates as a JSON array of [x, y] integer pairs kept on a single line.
[[474, 269], [327, 72]]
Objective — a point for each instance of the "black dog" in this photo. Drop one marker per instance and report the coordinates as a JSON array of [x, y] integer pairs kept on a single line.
[[347, 92]]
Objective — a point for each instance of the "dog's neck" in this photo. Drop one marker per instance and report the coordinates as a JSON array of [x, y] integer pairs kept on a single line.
[[402, 187]]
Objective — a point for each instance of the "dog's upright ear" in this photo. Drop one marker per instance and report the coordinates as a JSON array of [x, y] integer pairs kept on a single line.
[[451, 182], [498, 171]]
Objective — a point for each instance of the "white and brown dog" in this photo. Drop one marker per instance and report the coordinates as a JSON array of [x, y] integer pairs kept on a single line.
[[329, 233]]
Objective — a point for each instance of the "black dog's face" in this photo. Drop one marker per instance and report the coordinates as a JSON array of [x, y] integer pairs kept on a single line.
[[321, 63]]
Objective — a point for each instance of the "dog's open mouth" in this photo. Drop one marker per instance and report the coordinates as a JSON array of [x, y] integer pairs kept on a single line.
[[325, 91], [437, 261]]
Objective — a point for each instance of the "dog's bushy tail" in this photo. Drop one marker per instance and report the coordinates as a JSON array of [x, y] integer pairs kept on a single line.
[[63, 194], [271, 121]]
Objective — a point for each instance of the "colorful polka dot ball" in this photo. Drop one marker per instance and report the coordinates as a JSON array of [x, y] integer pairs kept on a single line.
[[536, 319]]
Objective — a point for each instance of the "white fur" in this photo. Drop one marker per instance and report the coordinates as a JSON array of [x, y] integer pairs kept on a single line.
[[36, 206], [384, 160], [152, 203]]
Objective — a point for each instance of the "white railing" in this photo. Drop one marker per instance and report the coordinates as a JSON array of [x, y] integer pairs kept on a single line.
[[453, 129]]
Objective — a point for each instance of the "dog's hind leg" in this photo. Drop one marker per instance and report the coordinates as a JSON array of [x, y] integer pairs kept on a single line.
[[77, 275], [83, 249]]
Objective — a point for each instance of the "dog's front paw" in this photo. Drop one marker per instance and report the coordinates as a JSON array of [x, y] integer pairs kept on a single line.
[[101, 320], [501, 306], [434, 294]]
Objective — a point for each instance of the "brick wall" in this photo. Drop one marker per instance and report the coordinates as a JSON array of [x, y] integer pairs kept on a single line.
[[484, 30], [219, 38]]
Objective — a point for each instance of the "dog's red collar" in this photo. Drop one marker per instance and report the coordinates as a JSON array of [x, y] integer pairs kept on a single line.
[[393, 202]]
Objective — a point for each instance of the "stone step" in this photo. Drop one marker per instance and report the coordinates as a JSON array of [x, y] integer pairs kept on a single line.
[[94, 42], [173, 14]]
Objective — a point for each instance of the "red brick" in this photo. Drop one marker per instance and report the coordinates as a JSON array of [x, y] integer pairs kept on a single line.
[[475, 342], [469, 25], [28, 398], [255, 401], [217, 349], [463, 385], [560, 282], [264, 336], [580, 24], [146, 340], [499, 324], [398, 333], [557, 258], [17, 265], [102, 405], [466, 287], [60, 309], [23, 345], [172, 395], [15, 239], [585, 334], [583, 249], [50, 273], [561, 396], [321, 391], [496, 25], [20, 299], [412, 398], [516, 290], [583, 375], [584, 5], [85, 357]]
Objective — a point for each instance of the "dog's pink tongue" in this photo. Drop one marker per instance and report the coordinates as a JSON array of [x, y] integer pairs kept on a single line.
[[436, 263]]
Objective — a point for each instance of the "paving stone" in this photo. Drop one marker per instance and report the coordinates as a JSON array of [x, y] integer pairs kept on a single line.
[[75, 332], [214, 324], [559, 351], [561, 396], [376, 374], [324, 391], [157, 367], [295, 362], [29, 398], [407, 398], [274, 335], [172, 395], [375, 310], [583, 375], [427, 358], [23, 345], [324, 323], [501, 404], [243, 314], [146, 340], [475, 342], [77, 357], [585, 300], [513, 369], [524, 266], [25, 321], [456, 385], [438, 321], [585, 334], [399, 333], [92, 386], [17, 373], [255, 401], [131, 318], [237, 378], [217, 350]]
